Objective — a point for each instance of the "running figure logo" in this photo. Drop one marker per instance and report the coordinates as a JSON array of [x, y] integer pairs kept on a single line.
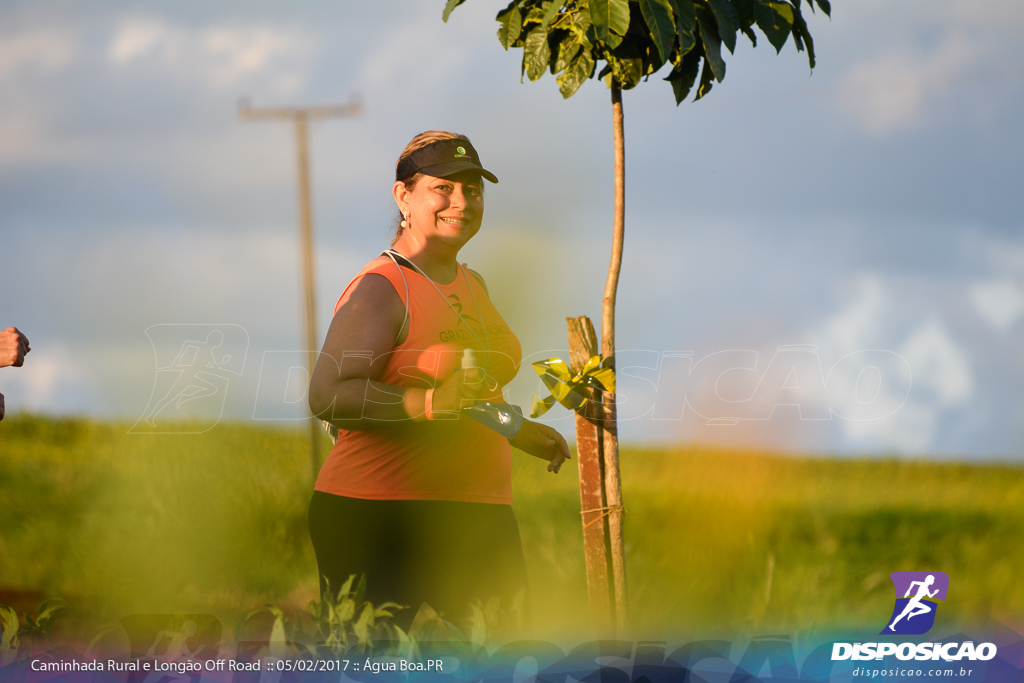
[[194, 364], [171, 639], [914, 613]]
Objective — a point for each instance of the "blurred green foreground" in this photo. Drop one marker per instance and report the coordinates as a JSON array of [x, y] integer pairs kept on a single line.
[[717, 541]]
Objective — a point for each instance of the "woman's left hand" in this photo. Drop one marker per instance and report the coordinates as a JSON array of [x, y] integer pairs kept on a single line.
[[542, 442]]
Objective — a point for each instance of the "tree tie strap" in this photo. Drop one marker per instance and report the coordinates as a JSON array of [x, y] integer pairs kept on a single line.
[[567, 388], [607, 511]]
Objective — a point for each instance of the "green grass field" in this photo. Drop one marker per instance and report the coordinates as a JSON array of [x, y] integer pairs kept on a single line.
[[717, 541]]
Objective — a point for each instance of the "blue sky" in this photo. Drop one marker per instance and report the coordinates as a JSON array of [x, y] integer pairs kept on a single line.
[[872, 205]]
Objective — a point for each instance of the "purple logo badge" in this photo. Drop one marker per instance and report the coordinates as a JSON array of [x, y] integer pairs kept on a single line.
[[914, 612]]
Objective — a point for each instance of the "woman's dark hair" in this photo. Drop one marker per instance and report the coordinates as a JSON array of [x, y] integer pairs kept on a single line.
[[422, 140]]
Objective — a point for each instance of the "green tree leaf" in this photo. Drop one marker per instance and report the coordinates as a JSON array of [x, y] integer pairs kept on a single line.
[[345, 609], [363, 624], [662, 25], [567, 51], [745, 13], [633, 39], [683, 76], [346, 587], [775, 19], [278, 637], [712, 43], [687, 41], [449, 6], [627, 65], [580, 27], [550, 12], [686, 24], [9, 626], [511, 25], [707, 81], [534, 14], [387, 609], [48, 610], [802, 37], [728, 20], [578, 71], [536, 53], [686, 18], [360, 592], [609, 16], [612, 40], [651, 58]]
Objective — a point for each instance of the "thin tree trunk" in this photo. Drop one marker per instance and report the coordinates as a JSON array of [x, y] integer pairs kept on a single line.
[[613, 483]]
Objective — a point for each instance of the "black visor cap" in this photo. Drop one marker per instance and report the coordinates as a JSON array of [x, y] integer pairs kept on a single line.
[[442, 159]]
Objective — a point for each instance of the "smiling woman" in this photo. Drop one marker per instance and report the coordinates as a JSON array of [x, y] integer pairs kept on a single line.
[[415, 495], [423, 152]]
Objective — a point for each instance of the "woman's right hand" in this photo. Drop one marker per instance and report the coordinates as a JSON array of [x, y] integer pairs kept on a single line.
[[544, 442], [462, 389]]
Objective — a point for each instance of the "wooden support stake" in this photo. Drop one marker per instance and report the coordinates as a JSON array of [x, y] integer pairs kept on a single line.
[[589, 435]]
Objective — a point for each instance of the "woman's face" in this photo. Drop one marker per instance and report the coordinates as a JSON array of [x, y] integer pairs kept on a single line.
[[446, 210]]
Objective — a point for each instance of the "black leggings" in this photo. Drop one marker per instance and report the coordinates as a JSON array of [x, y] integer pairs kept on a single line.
[[444, 553]]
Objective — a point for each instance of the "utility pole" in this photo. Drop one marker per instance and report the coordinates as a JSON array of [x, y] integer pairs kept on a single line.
[[301, 116]]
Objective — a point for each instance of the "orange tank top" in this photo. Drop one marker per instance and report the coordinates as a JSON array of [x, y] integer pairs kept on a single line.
[[443, 459]]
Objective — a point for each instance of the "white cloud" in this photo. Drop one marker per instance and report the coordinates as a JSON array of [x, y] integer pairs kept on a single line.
[[54, 379], [241, 52], [916, 381], [418, 55], [858, 326], [891, 92], [27, 61], [999, 302], [939, 364], [218, 55], [909, 432], [43, 50], [25, 138], [994, 18], [195, 271], [137, 38], [99, 359], [998, 298], [939, 378]]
